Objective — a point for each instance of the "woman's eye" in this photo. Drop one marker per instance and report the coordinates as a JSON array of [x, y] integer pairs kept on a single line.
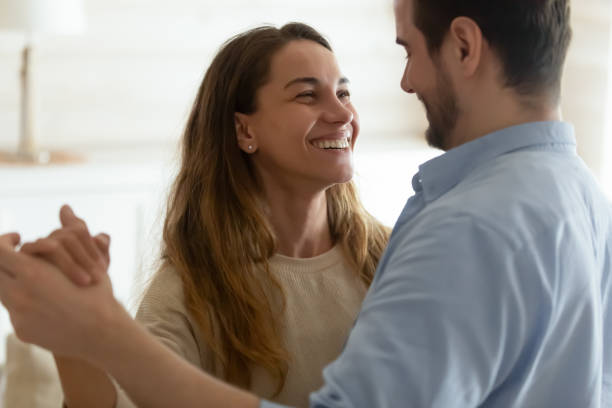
[[306, 95]]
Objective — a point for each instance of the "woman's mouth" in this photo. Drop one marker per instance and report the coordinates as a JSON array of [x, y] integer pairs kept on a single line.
[[329, 144]]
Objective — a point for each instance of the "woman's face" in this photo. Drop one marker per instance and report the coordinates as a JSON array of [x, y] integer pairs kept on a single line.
[[305, 127]]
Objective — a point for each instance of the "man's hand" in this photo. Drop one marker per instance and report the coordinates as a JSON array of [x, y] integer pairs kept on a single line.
[[82, 258]]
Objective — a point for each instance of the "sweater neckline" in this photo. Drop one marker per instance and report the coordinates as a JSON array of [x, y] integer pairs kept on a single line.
[[303, 265]]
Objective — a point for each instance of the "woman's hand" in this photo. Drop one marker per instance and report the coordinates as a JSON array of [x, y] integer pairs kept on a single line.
[[82, 258]]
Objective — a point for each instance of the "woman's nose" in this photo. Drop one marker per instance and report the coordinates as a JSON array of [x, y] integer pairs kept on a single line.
[[338, 112]]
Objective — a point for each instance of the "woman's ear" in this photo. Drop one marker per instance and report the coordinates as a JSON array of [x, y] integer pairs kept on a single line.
[[244, 135]]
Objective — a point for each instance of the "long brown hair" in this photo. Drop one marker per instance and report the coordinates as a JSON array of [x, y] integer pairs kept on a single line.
[[216, 235]]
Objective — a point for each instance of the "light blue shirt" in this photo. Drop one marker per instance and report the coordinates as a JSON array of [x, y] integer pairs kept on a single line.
[[495, 289]]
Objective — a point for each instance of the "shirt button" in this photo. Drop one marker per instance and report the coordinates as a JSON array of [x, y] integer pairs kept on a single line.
[[417, 183]]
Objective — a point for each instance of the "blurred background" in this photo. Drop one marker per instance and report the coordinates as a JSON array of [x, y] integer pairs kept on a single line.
[[119, 92]]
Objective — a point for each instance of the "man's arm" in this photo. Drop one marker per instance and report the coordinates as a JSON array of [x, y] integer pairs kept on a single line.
[[154, 376]]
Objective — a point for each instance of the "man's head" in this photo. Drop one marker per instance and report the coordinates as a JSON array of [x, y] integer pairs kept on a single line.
[[461, 51]]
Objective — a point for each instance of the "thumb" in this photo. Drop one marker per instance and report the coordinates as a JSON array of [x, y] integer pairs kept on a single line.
[[10, 240], [69, 219]]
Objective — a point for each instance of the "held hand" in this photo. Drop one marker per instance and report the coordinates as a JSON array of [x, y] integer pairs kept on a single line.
[[81, 257], [47, 309], [70, 220]]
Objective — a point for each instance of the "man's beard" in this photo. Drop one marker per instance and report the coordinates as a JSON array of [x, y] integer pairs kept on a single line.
[[442, 112]]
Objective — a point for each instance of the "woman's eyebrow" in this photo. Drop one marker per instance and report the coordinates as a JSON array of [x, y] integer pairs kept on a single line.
[[312, 81], [306, 80]]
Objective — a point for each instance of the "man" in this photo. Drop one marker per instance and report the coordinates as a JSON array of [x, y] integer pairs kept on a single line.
[[495, 289]]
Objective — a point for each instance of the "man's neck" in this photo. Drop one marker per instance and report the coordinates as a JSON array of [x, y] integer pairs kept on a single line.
[[500, 113]]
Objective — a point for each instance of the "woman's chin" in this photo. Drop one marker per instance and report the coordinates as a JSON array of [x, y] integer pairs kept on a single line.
[[343, 176]]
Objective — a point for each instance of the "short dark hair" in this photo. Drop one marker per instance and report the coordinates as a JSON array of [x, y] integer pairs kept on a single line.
[[531, 37]]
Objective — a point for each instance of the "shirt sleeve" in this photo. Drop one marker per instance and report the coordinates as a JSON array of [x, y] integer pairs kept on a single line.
[[442, 323], [162, 312]]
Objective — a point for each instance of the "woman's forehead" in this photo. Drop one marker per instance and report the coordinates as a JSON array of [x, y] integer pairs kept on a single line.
[[304, 58]]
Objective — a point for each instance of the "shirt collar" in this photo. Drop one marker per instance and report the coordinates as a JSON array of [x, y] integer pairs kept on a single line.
[[439, 175]]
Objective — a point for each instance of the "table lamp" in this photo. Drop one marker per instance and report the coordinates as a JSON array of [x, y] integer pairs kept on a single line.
[[33, 18]]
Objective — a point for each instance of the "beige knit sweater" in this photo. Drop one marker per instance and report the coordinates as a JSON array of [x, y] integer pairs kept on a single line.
[[323, 296]]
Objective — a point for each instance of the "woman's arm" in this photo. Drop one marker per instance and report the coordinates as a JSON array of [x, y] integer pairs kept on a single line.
[[84, 385]]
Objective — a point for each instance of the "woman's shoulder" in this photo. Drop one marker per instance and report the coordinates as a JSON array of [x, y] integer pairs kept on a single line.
[[163, 296], [163, 312], [164, 284]]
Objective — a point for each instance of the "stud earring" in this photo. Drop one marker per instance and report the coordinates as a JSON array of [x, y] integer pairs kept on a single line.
[[250, 147]]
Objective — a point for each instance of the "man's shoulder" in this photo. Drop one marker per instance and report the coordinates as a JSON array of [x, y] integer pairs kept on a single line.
[[511, 198]]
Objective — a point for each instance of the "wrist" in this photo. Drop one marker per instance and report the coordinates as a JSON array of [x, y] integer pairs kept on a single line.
[[111, 325]]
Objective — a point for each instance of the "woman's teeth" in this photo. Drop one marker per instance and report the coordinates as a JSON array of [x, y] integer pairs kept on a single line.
[[331, 144]]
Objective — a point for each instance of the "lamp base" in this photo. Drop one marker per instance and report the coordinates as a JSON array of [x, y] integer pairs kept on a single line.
[[40, 158]]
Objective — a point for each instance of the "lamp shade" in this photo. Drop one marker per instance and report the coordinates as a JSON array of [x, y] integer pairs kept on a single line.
[[42, 16]]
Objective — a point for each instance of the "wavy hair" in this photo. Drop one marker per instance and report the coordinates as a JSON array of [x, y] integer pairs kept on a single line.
[[216, 234]]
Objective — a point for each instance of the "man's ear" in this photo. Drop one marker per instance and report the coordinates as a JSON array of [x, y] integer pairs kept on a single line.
[[467, 42], [244, 135]]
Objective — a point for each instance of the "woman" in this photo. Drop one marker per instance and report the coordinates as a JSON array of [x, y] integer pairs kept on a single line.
[[267, 251]]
